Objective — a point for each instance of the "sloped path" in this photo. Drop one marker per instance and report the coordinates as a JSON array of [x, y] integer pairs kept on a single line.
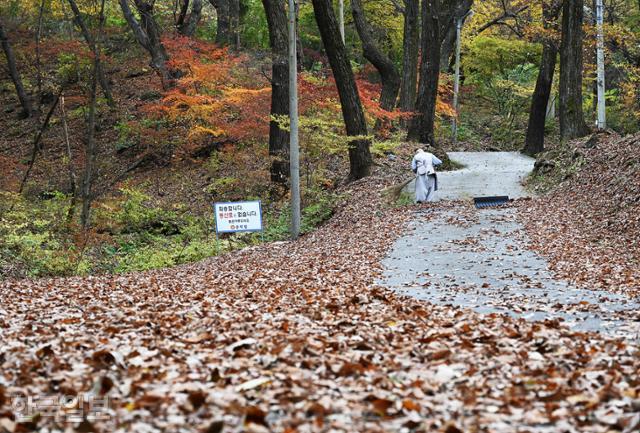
[[484, 173], [457, 255]]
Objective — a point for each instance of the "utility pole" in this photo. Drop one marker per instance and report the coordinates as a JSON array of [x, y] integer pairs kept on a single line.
[[294, 150], [341, 18], [601, 122], [456, 79]]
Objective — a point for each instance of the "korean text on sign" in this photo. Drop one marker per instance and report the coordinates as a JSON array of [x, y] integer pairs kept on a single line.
[[243, 216]]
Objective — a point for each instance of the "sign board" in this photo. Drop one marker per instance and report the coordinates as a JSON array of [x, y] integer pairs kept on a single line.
[[240, 216]]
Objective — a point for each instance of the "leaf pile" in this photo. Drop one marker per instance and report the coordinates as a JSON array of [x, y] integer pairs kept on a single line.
[[589, 227], [294, 337]]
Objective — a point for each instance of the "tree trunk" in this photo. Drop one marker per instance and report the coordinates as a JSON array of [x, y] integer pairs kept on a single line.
[[388, 74], [448, 45], [182, 15], [38, 62], [534, 141], [222, 13], [410, 47], [278, 137], [104, 83], [90, 145], [90, 153], [359, 155], [15, 75], [450, 12], [147, 34], [572, 124], [187, 24], [234, 23], [422, 125]]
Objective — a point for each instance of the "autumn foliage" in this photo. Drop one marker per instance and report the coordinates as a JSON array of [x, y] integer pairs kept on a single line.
[[225, 98]]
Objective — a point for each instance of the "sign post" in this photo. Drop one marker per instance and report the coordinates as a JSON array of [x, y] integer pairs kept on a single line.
[[239, 216]]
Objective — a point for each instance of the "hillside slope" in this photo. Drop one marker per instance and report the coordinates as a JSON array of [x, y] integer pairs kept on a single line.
[[589, 225]]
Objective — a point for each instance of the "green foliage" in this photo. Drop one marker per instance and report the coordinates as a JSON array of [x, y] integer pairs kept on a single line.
[[255, 32], [70, 68], [136, 234], [320, 207], [127, 136], [503, 73], [486, 57], [31, 237]]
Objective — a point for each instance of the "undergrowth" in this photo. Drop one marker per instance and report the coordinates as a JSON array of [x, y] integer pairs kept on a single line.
[[128, 233]]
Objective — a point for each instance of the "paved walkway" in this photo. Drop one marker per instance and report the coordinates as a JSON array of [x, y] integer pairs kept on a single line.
[[484, 173], [479, 259]]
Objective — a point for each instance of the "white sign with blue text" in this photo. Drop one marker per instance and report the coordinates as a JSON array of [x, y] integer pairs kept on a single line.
[[240, 216]]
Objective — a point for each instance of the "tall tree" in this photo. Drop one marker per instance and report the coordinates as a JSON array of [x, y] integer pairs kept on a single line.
[[222, 21], [572, 124], [147, 34], [228, 22], [422, 125], [234, 23], [187, 23], [534, 141], [90, 143], [448, 32], [279, 40], [410, 49], [15, 75], [389, 76], [359, 154], [102, 79]]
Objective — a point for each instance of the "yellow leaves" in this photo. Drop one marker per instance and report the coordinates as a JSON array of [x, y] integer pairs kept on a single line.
[[198, 131]]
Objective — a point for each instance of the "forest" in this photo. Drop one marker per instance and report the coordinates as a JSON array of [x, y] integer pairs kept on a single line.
[[123, 121]]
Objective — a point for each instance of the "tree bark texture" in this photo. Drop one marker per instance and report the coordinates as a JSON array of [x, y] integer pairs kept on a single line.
[[187, 24], [359, 155], [410, 49], [534, 141], [389, 76], [102, 79], [278, 137], [228, 22], [572, 124], [15, 75], [147, 34], [234, 23], [422, 125], [448, 46], [450, 13]]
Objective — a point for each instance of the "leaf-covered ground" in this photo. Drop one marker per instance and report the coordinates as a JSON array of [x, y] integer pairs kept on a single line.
[[294, 337], [589, 227]]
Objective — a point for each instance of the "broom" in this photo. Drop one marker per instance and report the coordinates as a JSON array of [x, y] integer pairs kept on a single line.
[[392, 193]]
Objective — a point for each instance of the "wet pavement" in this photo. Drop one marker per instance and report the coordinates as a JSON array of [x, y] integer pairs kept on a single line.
[[483, 174], [479, 259]]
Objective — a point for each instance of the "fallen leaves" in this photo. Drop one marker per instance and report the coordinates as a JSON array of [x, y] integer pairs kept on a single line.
[[589, 226], [293, 337]]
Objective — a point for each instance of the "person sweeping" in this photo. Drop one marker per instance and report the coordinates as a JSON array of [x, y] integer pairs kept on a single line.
[[423, 165]]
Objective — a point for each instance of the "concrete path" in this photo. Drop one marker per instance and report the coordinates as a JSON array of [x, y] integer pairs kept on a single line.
[[479, 259], [485, 173]]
